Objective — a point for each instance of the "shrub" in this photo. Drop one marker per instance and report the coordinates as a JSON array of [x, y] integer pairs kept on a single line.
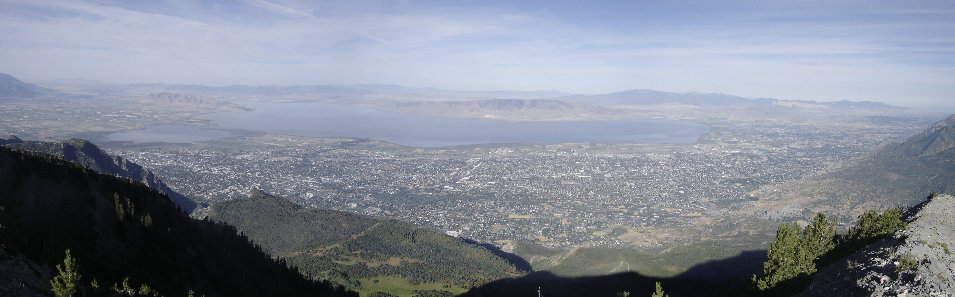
[[905, 263], [872, 224]]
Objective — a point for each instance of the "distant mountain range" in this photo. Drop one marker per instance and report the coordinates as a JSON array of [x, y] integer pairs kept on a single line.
[[88, 154], [651, 97], [363, 253], [498, 105], [638, 104], [353, 90], [506, 109]]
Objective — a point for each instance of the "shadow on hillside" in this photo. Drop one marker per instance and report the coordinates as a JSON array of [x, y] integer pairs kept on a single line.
[[739, 267], [607, 285], [713, 278], [515, 260]]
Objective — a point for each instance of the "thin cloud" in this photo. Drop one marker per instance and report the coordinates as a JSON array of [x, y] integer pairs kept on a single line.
[[280, 9], [795, 50]]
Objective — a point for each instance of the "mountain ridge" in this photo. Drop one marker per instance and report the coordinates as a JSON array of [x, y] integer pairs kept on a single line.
[[892, 176], [936, 139], [90, 155], [336, 92]]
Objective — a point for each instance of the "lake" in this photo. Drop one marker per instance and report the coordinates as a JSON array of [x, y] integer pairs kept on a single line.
[[169, 134], [331, 120]]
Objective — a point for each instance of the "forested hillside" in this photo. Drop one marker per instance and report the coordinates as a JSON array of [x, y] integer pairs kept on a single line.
[[365, 253], [90, 155], [125, 238]]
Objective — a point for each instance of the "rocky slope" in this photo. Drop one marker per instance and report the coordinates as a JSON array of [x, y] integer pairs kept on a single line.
[[916, 261]]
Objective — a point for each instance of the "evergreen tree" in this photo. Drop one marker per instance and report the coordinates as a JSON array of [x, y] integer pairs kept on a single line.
[[659, 291], [794, 251], [782, 257], [64, 284], [871, 224], [816, 240]]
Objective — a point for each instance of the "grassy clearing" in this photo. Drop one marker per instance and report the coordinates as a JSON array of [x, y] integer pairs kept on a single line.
[[401, 287]]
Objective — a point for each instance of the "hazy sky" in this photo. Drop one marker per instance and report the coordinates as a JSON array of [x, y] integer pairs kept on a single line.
[[901, 52]]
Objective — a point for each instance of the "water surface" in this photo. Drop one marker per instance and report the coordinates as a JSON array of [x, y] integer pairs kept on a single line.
[[168, 134], [331, 120]]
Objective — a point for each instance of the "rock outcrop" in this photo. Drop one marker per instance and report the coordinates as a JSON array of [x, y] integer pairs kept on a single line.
[[916, 261]]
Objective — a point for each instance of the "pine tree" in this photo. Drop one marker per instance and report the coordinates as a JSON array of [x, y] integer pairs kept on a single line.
[[816, 240], [795, 250], [782, 257], [659, 291], [64, 284], [872, 224], [120, 211]]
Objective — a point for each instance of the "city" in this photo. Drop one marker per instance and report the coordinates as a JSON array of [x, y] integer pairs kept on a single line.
[[555, 195]]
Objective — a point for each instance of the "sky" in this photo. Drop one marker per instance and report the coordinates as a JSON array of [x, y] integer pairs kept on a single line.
[[898, 52]]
